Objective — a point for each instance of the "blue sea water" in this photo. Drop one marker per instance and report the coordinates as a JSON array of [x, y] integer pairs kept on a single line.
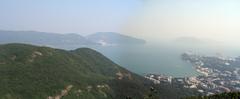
[[160, 58]]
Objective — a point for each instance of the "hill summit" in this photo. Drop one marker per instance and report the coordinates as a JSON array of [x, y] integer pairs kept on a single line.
[[32, 72]]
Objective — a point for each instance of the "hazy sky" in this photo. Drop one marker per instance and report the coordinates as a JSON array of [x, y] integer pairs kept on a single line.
[[64, 16], [156, 19], [214, 19]]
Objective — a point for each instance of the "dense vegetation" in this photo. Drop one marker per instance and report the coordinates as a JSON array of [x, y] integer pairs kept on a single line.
[[232, 95], [31, 72]]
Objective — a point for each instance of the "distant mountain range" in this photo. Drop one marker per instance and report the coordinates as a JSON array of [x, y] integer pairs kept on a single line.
[[111, 38], [62, 40]]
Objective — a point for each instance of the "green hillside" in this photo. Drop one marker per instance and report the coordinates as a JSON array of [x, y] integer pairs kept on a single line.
[[30, 72]]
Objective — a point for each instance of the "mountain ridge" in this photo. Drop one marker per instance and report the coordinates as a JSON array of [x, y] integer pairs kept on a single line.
[[31, 72], [113, 38], [37, 72], [65, 41]]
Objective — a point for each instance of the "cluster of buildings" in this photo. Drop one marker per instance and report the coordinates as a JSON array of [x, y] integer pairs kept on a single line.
[[157, 79], [218, 75]]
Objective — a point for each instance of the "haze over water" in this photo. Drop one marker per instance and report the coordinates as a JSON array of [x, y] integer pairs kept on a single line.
[[152, 20], [161, 58]]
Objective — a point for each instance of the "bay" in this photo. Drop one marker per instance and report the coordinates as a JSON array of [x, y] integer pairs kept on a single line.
[[161, 58]]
